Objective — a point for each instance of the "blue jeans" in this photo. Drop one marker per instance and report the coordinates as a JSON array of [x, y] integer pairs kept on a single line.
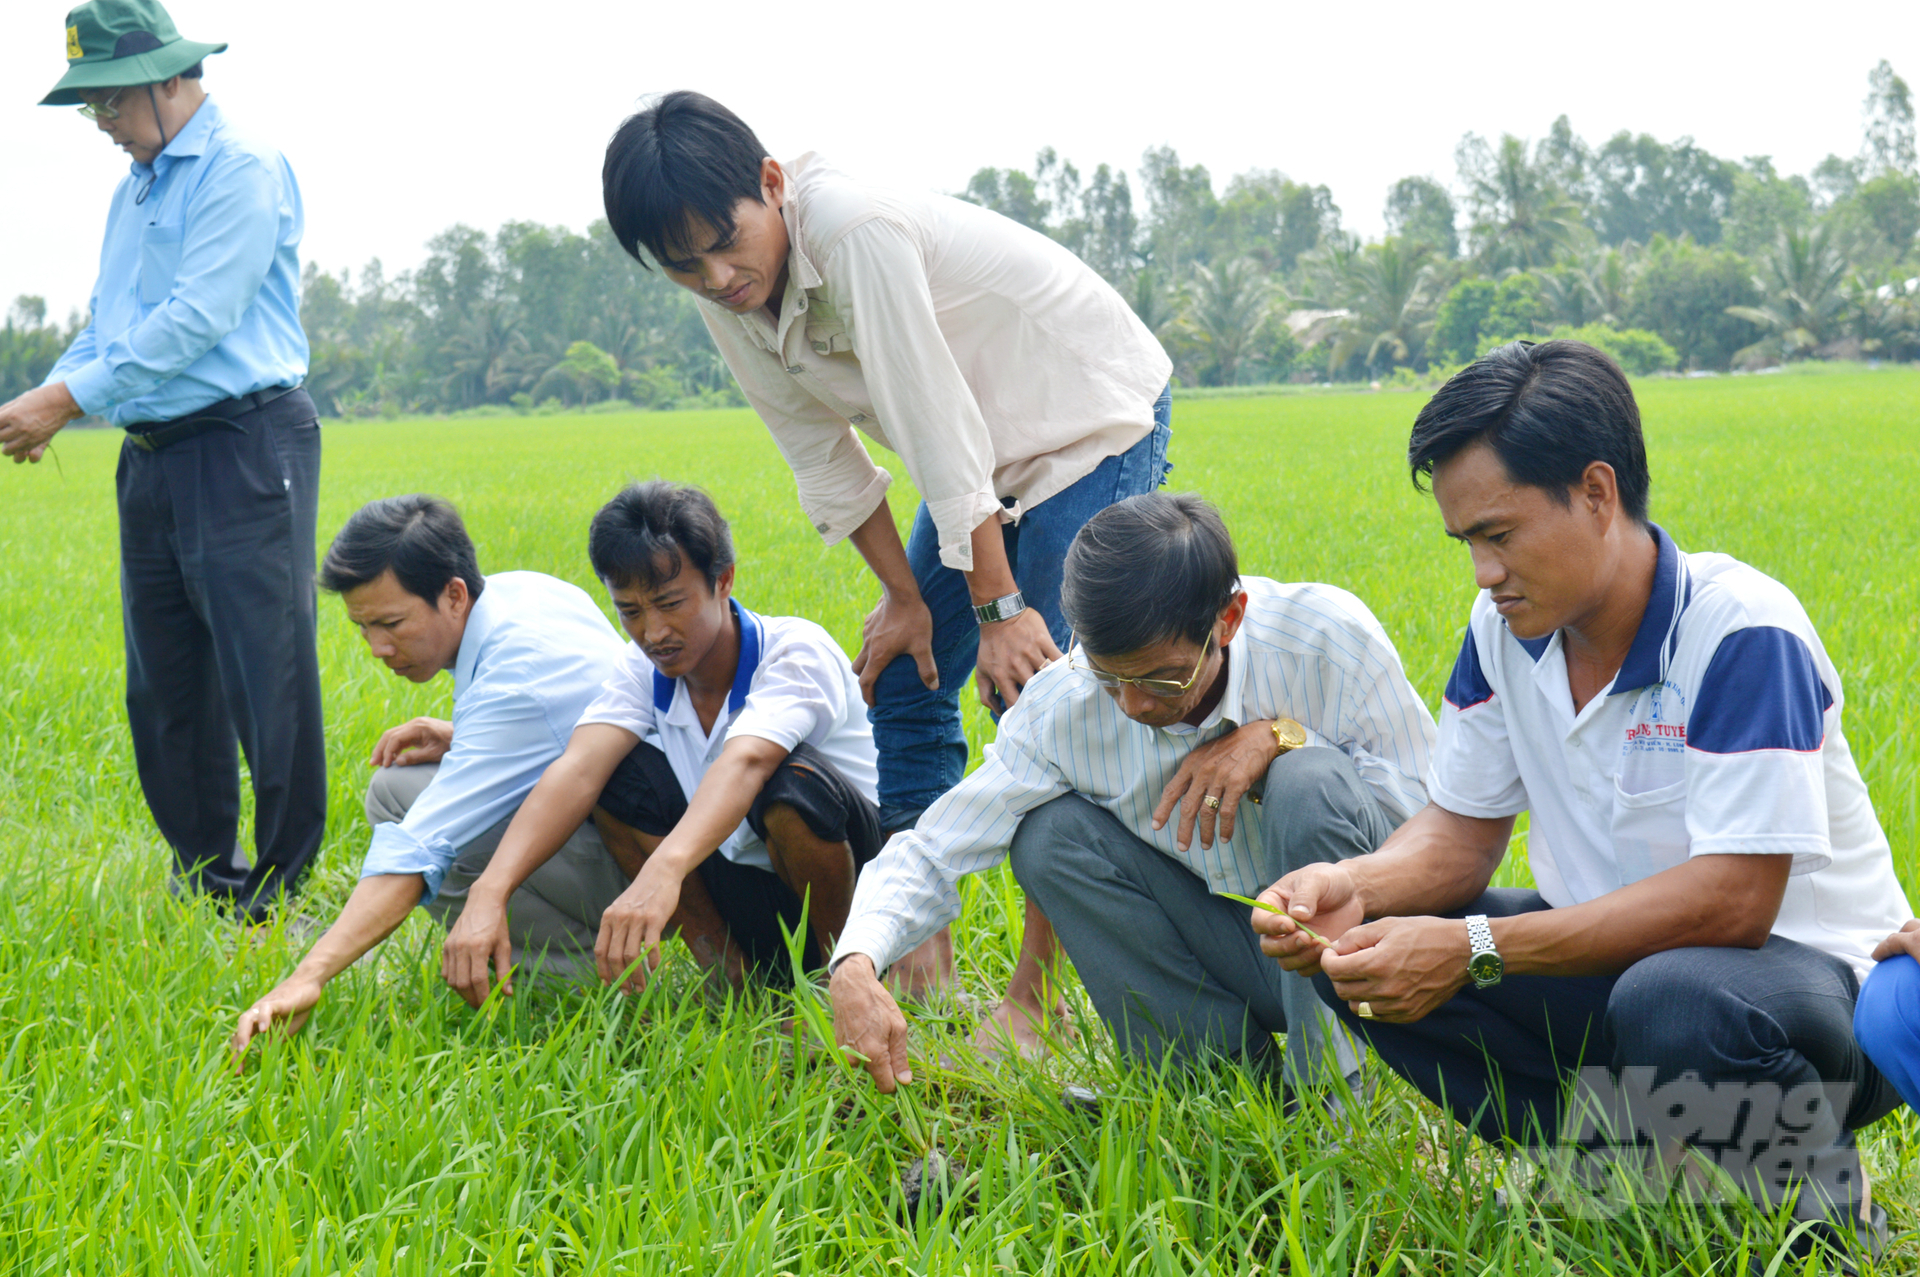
[[923, 751], [1886, 1022]]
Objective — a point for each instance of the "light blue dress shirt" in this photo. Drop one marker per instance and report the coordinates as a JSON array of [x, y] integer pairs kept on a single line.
[[535, 654], [198, 297]]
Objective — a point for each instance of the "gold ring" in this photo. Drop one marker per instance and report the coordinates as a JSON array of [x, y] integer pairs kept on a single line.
[[1364, 1010], [1211, 802]]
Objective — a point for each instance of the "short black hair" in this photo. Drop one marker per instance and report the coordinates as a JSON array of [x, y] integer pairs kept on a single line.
[[1148, 569], [421, 538], [1548, 412], [194, 72], [683, 157], [641, 538]]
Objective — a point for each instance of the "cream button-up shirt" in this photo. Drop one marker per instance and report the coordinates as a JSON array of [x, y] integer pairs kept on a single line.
[[995, 363]]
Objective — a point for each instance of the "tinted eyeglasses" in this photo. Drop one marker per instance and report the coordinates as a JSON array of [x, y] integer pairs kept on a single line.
[[100, 111]]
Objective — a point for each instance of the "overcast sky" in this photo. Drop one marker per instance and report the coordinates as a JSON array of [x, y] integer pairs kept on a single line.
[[402, 117]]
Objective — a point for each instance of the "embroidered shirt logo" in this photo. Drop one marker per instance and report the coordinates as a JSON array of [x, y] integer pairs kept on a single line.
[[74, 51], [1657, 722]]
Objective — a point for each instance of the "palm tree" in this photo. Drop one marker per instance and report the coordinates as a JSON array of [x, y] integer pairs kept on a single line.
[[488, 352], [1803, 281], [1521, 219], [1225, 309], [1389, 294]]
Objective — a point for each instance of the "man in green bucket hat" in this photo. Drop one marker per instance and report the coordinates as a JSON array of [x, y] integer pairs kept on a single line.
[[195, 350]]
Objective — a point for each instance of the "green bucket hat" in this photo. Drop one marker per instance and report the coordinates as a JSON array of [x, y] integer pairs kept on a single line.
[[111, 43]]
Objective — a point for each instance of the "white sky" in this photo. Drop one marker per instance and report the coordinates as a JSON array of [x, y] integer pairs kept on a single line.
[[401, 117]]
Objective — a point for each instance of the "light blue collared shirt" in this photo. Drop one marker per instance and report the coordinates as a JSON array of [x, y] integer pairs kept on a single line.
[[198, 297], [535, 653]]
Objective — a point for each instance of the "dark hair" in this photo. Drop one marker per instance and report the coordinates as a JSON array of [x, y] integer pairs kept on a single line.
[[641, 538], [1151, 568], [194, 72], [421, 538], [685, 156], [1547, 411]]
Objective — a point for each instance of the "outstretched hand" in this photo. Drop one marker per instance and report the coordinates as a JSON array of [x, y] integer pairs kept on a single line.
[[286, 1008], [867, 1024], [478, 937]]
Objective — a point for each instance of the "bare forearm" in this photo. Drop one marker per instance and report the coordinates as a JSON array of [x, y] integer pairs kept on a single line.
[[722, 801], [558, 805], [373, 912], [1710, 902], [878, 541], [1436, 862], [992, 576]]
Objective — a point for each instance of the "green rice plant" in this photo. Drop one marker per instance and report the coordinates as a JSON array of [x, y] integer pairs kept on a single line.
[[574, 1130]]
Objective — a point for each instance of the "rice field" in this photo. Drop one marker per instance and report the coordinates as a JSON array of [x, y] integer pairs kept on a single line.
[[576, 1132]]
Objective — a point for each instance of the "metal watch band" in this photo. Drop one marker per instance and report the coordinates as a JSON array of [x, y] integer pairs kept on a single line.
[[1479, 934], [1004, 608]]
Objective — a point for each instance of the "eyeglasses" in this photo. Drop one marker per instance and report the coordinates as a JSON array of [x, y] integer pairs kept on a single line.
[[1161, 688], [102, 111]]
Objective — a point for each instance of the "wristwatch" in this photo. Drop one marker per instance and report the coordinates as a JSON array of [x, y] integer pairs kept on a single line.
[[1484, 964], [1004, 608], [1288, 735]]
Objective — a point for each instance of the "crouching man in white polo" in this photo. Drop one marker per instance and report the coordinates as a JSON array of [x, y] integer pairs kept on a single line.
[[1711, 877]]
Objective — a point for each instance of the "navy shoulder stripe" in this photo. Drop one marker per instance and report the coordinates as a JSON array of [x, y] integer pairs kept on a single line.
[[1762, 690], [1468, 685]]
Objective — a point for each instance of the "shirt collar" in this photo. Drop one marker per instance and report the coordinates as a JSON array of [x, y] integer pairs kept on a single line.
[[1659, 633], [190, 141], [480, 623], [751, 643]]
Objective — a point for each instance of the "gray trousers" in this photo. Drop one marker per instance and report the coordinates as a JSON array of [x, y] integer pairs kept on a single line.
[[554, 918], [1175, 971]]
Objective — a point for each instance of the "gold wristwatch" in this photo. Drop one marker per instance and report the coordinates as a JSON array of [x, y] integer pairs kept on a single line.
[[1288, 735]]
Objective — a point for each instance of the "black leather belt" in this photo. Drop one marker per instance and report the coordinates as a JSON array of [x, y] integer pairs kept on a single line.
[[151, 436]]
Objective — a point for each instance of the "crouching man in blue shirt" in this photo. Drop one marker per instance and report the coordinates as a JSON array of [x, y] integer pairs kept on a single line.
[[1710, 877], [528, 654], [195, 350]]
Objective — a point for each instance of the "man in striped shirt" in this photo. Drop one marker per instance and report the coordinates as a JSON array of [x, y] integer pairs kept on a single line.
[[1207, 734]]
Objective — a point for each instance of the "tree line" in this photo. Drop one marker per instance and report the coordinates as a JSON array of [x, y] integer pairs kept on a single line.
[[1664, 254]]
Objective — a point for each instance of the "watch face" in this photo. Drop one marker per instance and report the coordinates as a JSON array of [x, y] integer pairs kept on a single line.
[[1484, 967], [1290, 733]]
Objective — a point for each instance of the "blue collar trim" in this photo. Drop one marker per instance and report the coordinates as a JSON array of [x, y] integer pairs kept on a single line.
[[752, 641], [1659, 634]]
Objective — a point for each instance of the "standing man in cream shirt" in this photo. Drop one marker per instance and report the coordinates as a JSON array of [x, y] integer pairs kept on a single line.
[[1017, 387]]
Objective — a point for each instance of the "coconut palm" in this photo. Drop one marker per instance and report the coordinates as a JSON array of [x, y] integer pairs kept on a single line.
[[1224, 309], [1803, 281], [1521, 218], [1389, 294]]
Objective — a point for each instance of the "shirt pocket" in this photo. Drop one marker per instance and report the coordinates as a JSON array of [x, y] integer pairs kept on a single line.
[[159, 262], [1649, 830], [829, 337]]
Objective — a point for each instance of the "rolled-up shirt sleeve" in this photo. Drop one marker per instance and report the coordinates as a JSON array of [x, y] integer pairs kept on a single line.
[[224, 254], [502, 743], [838, 482], [910, 890], [879, 284]]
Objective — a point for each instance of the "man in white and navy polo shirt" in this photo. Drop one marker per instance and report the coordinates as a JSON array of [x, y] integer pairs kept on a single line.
[[727, 763], [1208, 732], [1711, 878]]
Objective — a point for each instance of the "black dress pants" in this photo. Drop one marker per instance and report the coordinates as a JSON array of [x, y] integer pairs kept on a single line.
[[217, 600]]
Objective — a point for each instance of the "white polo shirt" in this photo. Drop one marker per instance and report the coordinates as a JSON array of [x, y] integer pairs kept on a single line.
[[1720, 735], [793, 684]]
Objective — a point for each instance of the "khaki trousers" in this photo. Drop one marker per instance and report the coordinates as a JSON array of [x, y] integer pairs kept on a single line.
[[554, 918]]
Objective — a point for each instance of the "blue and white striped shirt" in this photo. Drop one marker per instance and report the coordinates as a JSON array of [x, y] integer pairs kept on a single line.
[[1312, 653]]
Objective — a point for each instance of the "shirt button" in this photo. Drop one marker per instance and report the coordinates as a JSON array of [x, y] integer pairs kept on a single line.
[[794, 369], [857, 418], [820, 346]]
